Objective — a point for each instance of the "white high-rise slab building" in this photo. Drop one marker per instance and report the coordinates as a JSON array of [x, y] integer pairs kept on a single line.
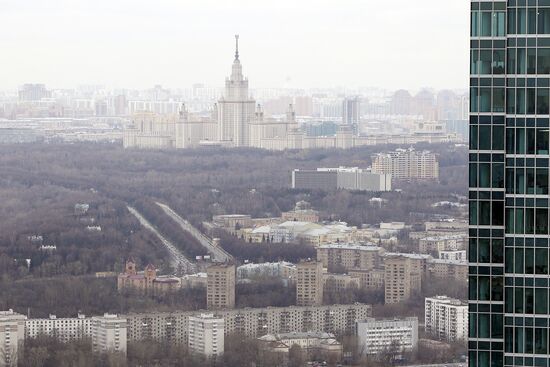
[[109, 333], [12, 335], [206, 334], [446, 318]]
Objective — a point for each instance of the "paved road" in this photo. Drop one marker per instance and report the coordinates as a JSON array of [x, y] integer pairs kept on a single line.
[[177, 258], [217, 253]]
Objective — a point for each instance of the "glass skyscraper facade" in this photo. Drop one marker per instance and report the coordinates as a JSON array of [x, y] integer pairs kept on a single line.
[[508, 164]]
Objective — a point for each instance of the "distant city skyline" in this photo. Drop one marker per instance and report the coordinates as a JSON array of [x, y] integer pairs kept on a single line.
[[125, 44]]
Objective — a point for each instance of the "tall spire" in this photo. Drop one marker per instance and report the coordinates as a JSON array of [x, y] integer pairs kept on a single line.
[[236, 47]]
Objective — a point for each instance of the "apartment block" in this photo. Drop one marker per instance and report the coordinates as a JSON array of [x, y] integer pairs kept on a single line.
[[350, 256], [206, 335], [65, 329], [220, 288], [109, 333], [12, 336], [309, 283], [370, 279], [173, 327], [347, 178], [402, 278], [376, 336], [407, 164], [446, 318], [335, 283]]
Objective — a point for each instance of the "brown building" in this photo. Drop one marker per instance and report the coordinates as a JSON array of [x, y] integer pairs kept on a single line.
[[146, 281], [309, 283], [220, 287], [402, 278]]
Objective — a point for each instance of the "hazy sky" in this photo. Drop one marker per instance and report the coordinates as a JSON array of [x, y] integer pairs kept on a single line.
[[294, 43]]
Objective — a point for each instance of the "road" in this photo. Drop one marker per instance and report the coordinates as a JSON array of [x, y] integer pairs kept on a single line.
[[177, 258], [218, 254]]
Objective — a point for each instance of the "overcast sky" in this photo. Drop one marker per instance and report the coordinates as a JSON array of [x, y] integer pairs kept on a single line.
[[283, 43]]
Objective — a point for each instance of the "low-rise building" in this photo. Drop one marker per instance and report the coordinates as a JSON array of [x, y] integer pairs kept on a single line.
[[446, 318], [12, 337], [281, 269], [311, 343], [194, 280], [458, 255], [448, 269], [372, 279], [206, 335], [376, 336], [336, 283], [109, 333], [232, 221], [146, 281], [301, 215], [435, 244]]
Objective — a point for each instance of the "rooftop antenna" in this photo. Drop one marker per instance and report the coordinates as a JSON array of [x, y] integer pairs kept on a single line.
[[236, 47]]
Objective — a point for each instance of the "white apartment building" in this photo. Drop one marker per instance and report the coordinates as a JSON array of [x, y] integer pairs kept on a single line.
[[376, 336], [109, 333], [12, 336], [446, 318], [64, 329], [252, 322], [407, 164], [206, 335]]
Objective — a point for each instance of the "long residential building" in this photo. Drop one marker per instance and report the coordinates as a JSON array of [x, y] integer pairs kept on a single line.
[[376, 336], [347, 178], [350, 256], [407, 164], [254, 322], [65, 329], [446, 318]]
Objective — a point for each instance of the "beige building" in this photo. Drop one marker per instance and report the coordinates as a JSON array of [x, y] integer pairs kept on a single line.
[[407, 164], [369, 279], [301, 215], [253, 322], [335, 283], [448, 269], [350, 256], [206, 335], [309, 283], [402, 278], [220, 287], [109, 334], [12, 337], [434, 244]]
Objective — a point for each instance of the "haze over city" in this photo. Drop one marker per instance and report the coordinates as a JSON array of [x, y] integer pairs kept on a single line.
[[129, 44]]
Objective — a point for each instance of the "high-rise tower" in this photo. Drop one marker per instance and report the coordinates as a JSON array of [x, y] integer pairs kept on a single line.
[[509, 161], [236, 110]]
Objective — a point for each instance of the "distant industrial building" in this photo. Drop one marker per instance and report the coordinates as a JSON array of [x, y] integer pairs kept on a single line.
[[376, 336], [340, 178]]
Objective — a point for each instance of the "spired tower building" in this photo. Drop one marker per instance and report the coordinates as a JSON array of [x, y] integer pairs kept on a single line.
[[236, 110]]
